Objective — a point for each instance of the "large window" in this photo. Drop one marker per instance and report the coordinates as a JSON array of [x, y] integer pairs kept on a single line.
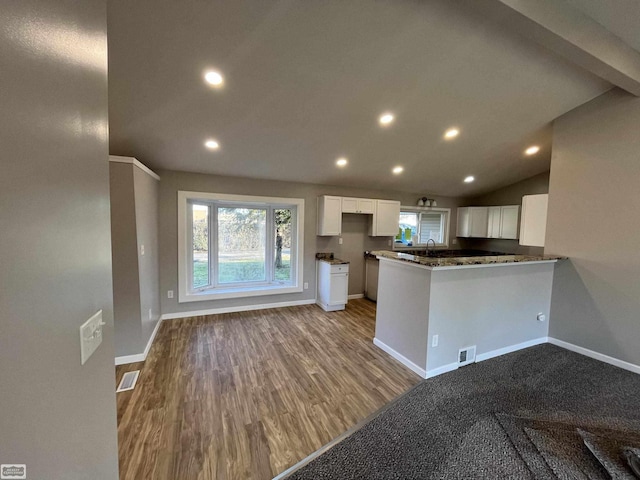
[[417, 226], [234, 246]]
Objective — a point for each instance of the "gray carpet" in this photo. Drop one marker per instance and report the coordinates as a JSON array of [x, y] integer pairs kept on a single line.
[[522, 415]]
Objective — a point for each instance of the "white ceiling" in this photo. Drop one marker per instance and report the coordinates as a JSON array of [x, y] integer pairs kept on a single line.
[[306, 81]]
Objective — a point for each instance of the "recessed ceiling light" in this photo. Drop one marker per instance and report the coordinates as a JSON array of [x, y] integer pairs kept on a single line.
[[342, 162], [212, 145], [532, 150], [213, 78], [469, 179], [386, 119], [397, 170], [451, 133]]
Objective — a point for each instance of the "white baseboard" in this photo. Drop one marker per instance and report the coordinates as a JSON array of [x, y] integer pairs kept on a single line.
[[356, 295], [595, 355], [450, 367], [512, 348], [242, 308], [125, 359], [140, 357], [401, 358]]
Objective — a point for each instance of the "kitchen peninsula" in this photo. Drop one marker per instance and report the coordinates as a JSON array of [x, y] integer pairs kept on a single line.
[[430, 309]]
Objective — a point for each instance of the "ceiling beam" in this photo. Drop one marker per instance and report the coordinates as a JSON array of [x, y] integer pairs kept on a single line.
[[564, 29]]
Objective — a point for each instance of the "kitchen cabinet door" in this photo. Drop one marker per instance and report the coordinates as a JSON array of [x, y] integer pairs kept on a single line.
[[479, 221], [329, 215], [386, 219], [533, 221], [494, 223], [509, 222]]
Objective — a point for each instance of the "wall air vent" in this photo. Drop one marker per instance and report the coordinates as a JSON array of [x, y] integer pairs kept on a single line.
[[128, 381], [466, 356]]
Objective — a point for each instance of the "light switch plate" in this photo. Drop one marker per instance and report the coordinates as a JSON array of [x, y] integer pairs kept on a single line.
[[90, 336]]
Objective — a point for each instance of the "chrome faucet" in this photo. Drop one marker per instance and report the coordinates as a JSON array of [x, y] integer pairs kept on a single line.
[[434, 245]]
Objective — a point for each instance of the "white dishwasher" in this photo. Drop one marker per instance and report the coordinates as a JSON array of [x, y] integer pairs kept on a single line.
[[333, 284]]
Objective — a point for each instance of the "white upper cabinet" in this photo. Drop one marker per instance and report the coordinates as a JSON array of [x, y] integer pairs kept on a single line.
[[495, 217], [473, 222], [358, 205], [509, 221], [533, 223], [503, 222], [329, 215], [386, 219]]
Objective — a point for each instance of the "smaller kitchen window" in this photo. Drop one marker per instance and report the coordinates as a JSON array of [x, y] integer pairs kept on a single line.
[[417, 226]]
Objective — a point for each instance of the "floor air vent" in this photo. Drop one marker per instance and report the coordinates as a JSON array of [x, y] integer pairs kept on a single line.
[[128, 381], [466, 356]]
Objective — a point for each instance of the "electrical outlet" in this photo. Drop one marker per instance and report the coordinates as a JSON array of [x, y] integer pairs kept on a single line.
[[340, 241], [434, 341], [150, 314], [306, 285], [90, 336], [169, 293], [541, 317], [454, 241], [141, 249]]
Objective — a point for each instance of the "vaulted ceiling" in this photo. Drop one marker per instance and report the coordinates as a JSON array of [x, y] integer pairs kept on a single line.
[[306, 80]]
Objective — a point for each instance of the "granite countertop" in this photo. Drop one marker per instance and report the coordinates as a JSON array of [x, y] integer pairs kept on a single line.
[[330, 259], [434, 262], [334, 261]]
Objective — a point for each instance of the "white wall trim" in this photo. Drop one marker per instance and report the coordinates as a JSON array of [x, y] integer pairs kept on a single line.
[[481, 357], [355, 296], [134, 161], [241, 308], [140, 357], [450, 367], [595, 355], [401, 358]]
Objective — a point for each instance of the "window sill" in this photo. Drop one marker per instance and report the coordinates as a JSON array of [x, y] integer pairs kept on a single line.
[[239, 292]]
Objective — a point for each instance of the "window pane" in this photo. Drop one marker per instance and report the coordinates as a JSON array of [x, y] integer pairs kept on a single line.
[[407, 220], [282, 245], [431, 227], [200, 245], [241, 245]]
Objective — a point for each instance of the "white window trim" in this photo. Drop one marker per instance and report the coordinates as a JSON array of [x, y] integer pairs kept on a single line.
[[184, 295], [422, 246]]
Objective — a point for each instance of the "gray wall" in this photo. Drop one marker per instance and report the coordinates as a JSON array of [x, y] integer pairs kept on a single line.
[[355, 228], [124, 255], [593, 219], [495, 308], [509, 195], [57, 416], [146, 195], [134, 222]]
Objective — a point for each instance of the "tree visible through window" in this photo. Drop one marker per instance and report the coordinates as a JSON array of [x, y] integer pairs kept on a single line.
[[240, 245]]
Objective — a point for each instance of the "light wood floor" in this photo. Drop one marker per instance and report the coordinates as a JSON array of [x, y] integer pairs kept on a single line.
[[247, 395]]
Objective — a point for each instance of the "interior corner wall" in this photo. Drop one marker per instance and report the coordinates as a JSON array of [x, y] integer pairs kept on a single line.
[[146, 217], [124, 255], [57, 416], [509, 195], [593, 220]]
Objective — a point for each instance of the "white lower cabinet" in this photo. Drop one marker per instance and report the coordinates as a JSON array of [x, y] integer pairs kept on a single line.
[[333, 286]]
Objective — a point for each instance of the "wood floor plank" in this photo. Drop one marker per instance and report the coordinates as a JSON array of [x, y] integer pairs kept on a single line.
[[246, 395]]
